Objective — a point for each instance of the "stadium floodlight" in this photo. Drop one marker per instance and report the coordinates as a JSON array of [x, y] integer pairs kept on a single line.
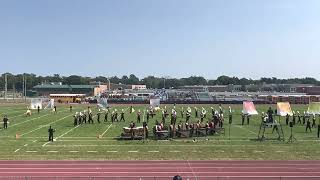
[[164, 81], [108, 83], [6, 86]]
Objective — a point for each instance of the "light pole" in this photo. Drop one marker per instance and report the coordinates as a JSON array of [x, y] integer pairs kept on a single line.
[[6, 86], [164, 80], [109, 84]]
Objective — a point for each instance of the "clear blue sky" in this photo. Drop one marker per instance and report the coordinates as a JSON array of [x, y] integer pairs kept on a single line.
[[175, 38]]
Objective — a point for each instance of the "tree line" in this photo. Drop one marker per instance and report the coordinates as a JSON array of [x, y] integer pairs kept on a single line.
[[15, 81]]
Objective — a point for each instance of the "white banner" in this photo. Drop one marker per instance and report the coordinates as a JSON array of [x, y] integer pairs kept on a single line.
[[35, 103], [154, 103]]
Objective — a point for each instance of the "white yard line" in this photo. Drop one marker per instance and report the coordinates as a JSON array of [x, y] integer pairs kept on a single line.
[[175, 151], [106, 130], [221, 151], [17, 150], [259, 151], [29, 120], [42, 126], [62, 135], [111, 124]]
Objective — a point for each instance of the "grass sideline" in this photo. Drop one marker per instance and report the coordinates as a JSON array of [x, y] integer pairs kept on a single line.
[[81, 143]]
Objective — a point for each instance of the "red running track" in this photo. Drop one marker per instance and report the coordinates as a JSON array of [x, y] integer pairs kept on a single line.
[[160, 170]]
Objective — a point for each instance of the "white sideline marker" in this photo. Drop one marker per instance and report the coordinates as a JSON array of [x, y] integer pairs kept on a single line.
[[31, 151], [17, 150], [220, 151], [175, 151]]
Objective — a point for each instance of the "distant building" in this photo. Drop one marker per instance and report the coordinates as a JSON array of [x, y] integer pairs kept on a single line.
[[293, 99], [138, 87], [88, 90], [310, 90], [67, 98], [215, 88]]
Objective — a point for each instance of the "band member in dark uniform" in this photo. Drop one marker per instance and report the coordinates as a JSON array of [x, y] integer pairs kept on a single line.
[[196, 112], [243, 116], [115, 118], [51, 131], [80, 119], [145, 129], [299, 117], [122, 116], [163, 117], [5, 122], [287, 119], [270, 115], [139, 116], [294, 118], [90, 118], [84, 118], [188, 115], [308, 125], [318, 130], [106, 116], [75, 121], [220, 109], [313, 121], [98, 117], [182, 112], [38, 109], [112, 116], [148, 116], [230, 115]]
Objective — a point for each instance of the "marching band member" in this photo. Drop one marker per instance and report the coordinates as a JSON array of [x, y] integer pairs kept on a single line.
[[139, 116]]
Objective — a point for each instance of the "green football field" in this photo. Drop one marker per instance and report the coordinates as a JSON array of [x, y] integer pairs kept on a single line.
[[81, 142]]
